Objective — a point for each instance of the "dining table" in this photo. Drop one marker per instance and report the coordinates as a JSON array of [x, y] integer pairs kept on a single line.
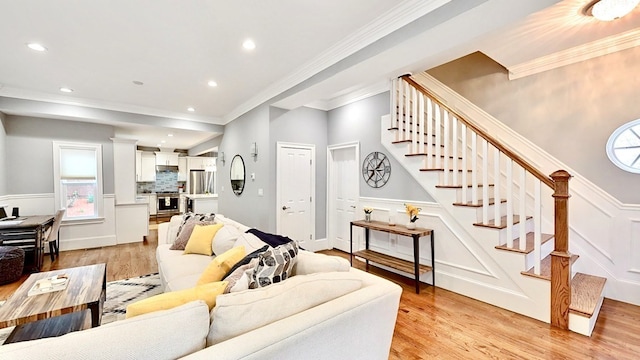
[[27, 232]]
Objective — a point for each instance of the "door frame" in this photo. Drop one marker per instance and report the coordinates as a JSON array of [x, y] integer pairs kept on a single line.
[[312, 211], [330, 181]]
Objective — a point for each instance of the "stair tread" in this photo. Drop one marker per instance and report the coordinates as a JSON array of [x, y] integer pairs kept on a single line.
[[434, 155], [442, 169], [586, 291], [479, 204], [528, 246], [503, 222], [545, 268]]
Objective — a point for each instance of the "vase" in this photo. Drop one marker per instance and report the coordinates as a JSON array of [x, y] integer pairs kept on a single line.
[[367, 217], [411, 225]]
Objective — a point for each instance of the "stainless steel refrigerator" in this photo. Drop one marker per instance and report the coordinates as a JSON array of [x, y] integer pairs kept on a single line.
[[202, 182]]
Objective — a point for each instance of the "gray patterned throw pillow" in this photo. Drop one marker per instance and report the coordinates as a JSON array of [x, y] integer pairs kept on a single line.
[[274, 265]]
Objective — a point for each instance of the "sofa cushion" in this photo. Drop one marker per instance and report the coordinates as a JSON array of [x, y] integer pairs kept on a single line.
[[250, 242], [311, 263], [185, 233], [247, 259], [201, 238], [143, 337], [274, 265], [173, 264], [225, 239], [207, 293], [198, 217], [239, 274], [238, 313], [222, 263]]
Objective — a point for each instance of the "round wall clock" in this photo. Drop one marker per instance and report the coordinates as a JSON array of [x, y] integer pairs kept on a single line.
[[376, 169]]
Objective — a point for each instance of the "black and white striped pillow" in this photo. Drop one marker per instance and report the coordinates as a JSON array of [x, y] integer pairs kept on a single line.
[[274, 265], [196, 217]]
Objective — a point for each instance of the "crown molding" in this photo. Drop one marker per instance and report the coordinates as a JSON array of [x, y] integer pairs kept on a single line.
[[576, 54], [394, 19], [357, 95]]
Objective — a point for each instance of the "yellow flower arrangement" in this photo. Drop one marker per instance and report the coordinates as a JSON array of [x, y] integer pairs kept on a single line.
[[368, 210], [412, 211]]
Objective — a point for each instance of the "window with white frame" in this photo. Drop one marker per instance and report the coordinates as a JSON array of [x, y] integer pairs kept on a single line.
[[78, 179]]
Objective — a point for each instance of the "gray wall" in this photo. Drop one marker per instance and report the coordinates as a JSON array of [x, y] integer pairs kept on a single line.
[[569, 112], [3, 165], [29, 151], [247, 208], [305, 126], [360, 121]]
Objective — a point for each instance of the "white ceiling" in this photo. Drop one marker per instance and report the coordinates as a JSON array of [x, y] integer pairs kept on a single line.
[[327, 48]]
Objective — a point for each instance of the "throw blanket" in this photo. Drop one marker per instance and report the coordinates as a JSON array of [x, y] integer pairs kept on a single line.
[[271, 239]]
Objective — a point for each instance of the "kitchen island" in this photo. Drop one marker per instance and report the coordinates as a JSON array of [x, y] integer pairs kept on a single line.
[[202, 203]]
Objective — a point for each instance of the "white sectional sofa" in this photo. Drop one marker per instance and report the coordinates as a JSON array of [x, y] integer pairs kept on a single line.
[[356, 324]]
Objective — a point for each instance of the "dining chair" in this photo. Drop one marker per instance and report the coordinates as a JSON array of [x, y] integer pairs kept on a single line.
[[53, 237]]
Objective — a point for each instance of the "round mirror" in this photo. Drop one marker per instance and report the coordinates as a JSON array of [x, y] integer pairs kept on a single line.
[[237, 174]]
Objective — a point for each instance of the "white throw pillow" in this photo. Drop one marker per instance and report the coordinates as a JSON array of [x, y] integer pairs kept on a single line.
[[225, 239], [250, 242], [241, 312], [311, 263], [149, 336]]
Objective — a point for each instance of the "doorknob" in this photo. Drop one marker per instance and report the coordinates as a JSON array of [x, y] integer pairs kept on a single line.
[[285, 207], [353, 206]]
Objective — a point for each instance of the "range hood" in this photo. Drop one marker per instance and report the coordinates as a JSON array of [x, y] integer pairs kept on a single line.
[[166, 168]]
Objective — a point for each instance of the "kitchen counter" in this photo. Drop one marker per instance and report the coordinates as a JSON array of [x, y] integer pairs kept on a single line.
[[202, 203], [201, 196]]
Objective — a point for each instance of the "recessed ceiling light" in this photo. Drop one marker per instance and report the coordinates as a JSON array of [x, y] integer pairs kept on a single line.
[[608, 10], [163, 141], [249, 44], [138, 82], [159, 145], [190, 109], [66, 89], [212, 83], [36, 47], [169, 135]]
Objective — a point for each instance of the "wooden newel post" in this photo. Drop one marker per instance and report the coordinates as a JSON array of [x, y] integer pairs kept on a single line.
[[560, 257]]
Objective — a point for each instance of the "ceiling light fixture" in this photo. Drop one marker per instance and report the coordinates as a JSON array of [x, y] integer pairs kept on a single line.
[[212, 83], [36, 47], [190, 109], [249, 44], [608, 10], [66, 90], [169, 135]]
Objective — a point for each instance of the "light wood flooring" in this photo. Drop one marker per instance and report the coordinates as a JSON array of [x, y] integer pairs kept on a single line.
[[436, 324]]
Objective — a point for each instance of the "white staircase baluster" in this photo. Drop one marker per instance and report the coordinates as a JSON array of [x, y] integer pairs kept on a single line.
[[421, 122], [454, 150], [496, 182], [414, 121], [474, 168], [464, 180], [523, 209], [537, 226], [509, 202], [446, 140], [394, 104], [485, 183], [436, 132], [405, 118], [429, 133]]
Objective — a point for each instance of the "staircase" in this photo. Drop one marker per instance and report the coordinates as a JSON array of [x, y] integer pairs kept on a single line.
[[497, 197]]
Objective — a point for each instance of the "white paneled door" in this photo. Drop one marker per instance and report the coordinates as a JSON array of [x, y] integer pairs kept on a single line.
[[295, 192], [343, 193]]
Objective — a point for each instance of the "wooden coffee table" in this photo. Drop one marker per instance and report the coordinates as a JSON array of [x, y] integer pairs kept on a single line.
[[77, 307]]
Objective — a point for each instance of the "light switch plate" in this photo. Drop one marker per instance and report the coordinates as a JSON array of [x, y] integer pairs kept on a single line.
[[260, 192]]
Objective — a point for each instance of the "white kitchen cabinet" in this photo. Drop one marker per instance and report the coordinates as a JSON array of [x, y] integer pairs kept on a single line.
[[202, 163], [165, 158], [182, 168], [147, 167], [183, 203], [153, 204], [138, 165]]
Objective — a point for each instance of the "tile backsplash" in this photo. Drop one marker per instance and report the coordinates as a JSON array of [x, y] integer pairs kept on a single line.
[[166, 181]]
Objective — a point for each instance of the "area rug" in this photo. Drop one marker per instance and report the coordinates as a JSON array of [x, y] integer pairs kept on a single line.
[[120, 293]]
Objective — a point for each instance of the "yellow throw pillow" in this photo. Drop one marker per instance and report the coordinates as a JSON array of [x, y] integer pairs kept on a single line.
[[200, 239], [221, 265], [207, 292]]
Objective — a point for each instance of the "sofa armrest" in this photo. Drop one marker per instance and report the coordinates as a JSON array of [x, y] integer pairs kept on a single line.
[[358, 325]]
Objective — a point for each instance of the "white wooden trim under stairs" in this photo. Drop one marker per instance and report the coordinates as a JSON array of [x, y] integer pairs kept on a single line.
[[458, 157]]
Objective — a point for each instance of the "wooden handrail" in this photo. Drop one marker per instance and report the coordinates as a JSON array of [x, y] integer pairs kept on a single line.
[[513, 156]]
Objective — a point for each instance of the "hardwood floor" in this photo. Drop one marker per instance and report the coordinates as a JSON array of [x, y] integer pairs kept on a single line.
[[436, 324]]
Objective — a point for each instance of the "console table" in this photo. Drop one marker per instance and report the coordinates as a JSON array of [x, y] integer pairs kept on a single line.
[[27, 232], [390, 261]]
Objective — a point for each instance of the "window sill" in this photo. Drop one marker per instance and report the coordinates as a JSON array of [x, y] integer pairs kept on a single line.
[[95, 220]]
